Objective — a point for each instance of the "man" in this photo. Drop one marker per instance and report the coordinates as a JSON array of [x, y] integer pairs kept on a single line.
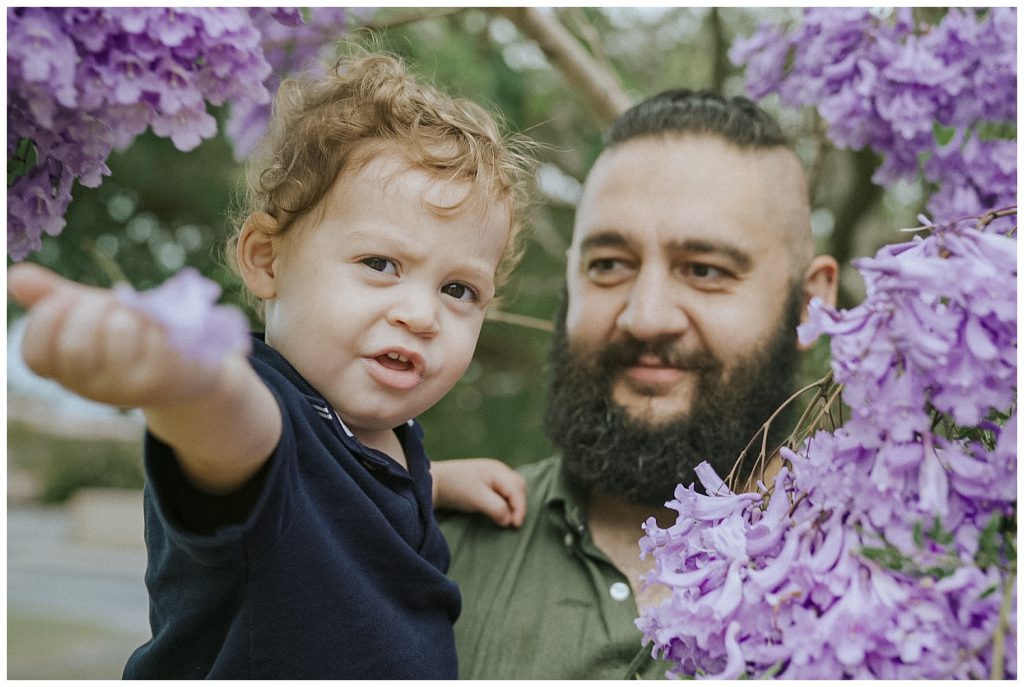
[[690, 266]]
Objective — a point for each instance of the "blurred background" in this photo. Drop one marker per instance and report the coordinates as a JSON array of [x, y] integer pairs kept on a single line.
[[76, 600]]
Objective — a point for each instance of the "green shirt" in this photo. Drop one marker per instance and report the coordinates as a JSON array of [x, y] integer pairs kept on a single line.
[[542, 602]]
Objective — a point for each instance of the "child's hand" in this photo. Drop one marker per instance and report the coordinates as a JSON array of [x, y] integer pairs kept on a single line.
[[480, 485], [86, 340]]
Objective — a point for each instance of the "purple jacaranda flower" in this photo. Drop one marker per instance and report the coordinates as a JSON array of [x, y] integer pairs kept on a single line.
[[286, 16], [735, 664], [860, 562], [880, 81], [82, 81], [91, 28], [917, 64], [172, 27], [908, 113], [764, 55], [216, 24], [35, 208], [39, 51], [186, 128], [132, 20], [185, 305], [291, 46]]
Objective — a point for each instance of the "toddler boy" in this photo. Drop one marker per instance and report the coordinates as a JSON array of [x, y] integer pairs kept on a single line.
[[289, 520]]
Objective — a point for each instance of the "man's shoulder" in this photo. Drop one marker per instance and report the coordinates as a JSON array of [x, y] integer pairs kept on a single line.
[[541, 473]]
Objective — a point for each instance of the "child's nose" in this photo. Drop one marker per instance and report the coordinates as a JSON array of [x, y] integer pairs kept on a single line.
[[417, 311]]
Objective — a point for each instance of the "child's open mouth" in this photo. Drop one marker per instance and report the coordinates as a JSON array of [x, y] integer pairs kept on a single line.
[[400, 371], [394, 361]]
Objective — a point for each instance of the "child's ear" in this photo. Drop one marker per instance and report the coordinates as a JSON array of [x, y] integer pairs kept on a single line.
[[821, 280], [257, 254]]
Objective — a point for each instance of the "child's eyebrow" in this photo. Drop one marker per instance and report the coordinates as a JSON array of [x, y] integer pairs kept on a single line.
[[478, 274], [382, 237]]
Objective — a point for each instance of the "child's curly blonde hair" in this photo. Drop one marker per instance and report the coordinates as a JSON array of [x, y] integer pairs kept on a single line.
[[320, 129]]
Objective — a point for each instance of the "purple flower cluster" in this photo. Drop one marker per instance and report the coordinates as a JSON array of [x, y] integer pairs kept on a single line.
[[84, 81], [934, 99], [877, 554], [291, 45], [186, 306]]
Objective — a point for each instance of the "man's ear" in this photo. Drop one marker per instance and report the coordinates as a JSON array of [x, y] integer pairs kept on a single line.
[[257, 254], [821, 280]]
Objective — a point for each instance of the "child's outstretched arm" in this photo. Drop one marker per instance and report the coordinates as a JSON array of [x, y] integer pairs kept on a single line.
[[480, 485], [222, 421]]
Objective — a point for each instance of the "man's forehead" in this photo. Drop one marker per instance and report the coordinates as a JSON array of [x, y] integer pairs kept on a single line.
[[702, 149], [694, 179]]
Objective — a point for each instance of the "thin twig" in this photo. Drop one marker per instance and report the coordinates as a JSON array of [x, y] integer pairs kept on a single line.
[[999, 637], [731, 477], [105, 263], [520, 320]]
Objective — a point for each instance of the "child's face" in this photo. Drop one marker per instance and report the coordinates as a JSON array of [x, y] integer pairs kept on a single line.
[[379, 303]]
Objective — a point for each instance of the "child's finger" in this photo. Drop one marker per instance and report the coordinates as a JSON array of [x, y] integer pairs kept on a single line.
[[493, 505], [78, 347], [512, 488], [28, 283], [42, 330]]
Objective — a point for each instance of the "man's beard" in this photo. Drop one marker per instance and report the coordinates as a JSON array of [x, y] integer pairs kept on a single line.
[[604, 449]]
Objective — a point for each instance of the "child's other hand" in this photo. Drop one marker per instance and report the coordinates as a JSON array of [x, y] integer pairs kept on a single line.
[[480, 485], [86, 340]]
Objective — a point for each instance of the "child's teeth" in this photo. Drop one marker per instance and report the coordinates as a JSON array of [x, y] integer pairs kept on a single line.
[[399, 358]]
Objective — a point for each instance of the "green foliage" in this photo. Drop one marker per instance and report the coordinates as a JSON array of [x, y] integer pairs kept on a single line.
[[992, 131], [943, 134], [23, 159], [935, 556], [997, 544]]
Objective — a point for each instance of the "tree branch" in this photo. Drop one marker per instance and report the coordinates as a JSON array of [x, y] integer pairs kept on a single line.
[[599, 87], [410, 15], [719, 50]]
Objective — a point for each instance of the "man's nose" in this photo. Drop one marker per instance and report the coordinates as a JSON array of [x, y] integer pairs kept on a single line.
[[416, 309], [654, 308]]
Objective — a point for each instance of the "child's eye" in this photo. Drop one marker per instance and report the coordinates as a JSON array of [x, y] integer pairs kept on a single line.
[[381, 265], [459, 291]]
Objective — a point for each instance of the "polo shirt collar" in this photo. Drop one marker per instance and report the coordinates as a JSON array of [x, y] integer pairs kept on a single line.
[[566, 504]]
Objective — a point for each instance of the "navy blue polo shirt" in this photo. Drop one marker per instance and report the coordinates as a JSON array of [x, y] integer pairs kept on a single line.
[[328, 565]]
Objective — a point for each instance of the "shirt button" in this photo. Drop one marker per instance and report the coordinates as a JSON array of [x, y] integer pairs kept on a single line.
[[619, 591], [568, 539]]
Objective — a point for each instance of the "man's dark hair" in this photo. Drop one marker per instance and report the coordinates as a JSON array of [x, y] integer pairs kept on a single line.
[[683, 111]]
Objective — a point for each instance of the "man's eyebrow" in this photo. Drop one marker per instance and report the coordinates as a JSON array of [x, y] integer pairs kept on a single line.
[[741, 259], [605, 239]]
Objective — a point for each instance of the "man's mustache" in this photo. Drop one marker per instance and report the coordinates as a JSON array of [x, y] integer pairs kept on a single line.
[[629, 352]]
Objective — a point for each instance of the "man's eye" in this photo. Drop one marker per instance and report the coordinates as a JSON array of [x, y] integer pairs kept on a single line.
[[602, 267], [381, 265], [459, 291], [702, 271]]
